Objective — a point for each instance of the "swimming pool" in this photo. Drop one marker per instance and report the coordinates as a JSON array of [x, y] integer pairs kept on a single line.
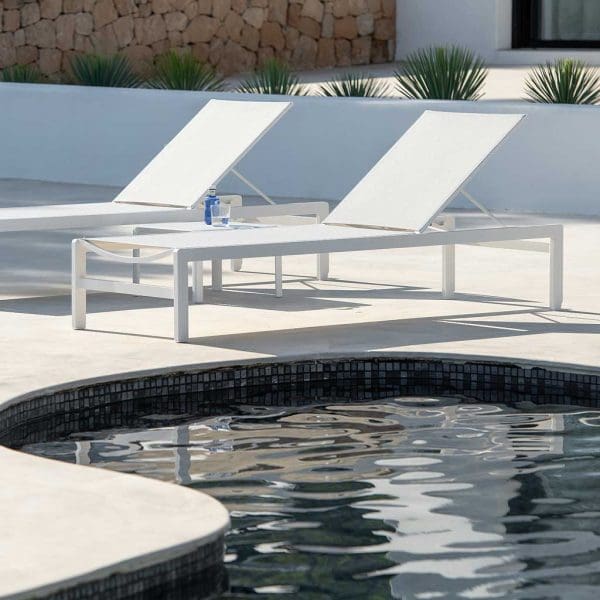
[[395, 498]]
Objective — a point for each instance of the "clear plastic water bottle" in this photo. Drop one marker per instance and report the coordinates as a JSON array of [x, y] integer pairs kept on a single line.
[[210, 200]]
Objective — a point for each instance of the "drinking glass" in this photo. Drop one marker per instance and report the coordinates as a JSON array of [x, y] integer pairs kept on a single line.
[[220, 214]]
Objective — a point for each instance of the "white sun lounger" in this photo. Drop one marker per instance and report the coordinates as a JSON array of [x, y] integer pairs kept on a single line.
[[394, 206], [173, 185], [177, 178]]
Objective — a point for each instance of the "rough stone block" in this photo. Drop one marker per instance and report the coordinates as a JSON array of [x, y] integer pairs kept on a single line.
[[65, 32], [278, 11], [305, 53], [343, 53], [8, 57], [27, 55], [19, 38], [201, 29], [250, 38], [160, 7], [272, 35], [205, 7], [124, 31], [50, 61], [221, 9], [30, 14], [345, 28], [361, 51], [42, 34], [239, 6], [313, 9], [254, 16], [365, 24], [104, 13], [326, 53], [154, 30], [233, 26], [327, 26], [139, 55], [11, 20], [341, 8], [104, 41], [176, 21], [384, 29], [291, 38], [309, 27], [200, 51], [125, 7], [84, 23], [357, 7], [72, 6], [50, 9], [293, 18], [234, 59], [389, 8]]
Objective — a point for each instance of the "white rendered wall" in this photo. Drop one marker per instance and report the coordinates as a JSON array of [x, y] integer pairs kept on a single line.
[[484, 26], [319, 150]]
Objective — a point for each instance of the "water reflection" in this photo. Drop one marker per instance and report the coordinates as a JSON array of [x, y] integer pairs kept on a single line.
[[413, 498]]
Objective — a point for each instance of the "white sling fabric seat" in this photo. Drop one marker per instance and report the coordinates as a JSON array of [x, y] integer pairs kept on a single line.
[[393, 206]]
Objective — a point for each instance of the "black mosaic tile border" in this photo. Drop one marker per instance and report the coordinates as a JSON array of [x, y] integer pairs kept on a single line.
[[212, 391], [194, 576], [203, 392]]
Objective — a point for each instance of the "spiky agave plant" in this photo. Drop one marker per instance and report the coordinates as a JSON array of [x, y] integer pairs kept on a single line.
[[175, 71], [355, 84], [22, 74], [273, 77], [105, 71], [442, 73], [566, 81]]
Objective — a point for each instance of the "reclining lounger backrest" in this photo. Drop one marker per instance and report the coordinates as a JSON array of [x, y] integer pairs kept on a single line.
[[423, 171], [202, 153]]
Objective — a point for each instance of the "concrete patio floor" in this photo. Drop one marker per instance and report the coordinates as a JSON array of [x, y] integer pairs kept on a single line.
[[377, 301]]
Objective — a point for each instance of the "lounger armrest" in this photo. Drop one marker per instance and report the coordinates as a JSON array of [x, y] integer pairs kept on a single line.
[[318, 209]]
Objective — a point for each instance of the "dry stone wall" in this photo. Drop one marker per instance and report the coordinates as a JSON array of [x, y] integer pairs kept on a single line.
[[233, 35]]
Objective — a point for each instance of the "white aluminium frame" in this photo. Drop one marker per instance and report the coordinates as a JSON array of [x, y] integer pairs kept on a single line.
[[514, 237]]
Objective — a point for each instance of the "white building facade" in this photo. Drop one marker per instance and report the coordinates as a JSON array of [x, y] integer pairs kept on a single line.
[[503, 32]]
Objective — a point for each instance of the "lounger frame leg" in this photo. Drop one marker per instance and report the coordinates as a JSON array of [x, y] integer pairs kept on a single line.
[[448, 271], [278, 276], [236, 264], [449, 263], [135, 267], [556, 270], [322, 259], [217, 275], [180, 298], [78, 294], [198, 282]]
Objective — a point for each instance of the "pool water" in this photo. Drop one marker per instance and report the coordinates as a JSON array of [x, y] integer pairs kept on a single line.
[[409, 498]]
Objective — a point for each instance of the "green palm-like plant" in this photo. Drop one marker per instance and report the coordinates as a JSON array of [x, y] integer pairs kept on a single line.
[[174, 71], [273, 77], [22, 74], [565, 81], [105, 71], [355, 84], [442, 73]]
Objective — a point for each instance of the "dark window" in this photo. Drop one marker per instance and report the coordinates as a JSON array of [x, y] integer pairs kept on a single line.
[[556, 23]]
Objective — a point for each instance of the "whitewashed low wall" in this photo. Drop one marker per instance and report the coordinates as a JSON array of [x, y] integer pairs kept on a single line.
[[319, 150]]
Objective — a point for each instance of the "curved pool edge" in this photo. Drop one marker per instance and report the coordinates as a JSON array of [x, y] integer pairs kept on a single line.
[[160, 564], [76, 532]]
